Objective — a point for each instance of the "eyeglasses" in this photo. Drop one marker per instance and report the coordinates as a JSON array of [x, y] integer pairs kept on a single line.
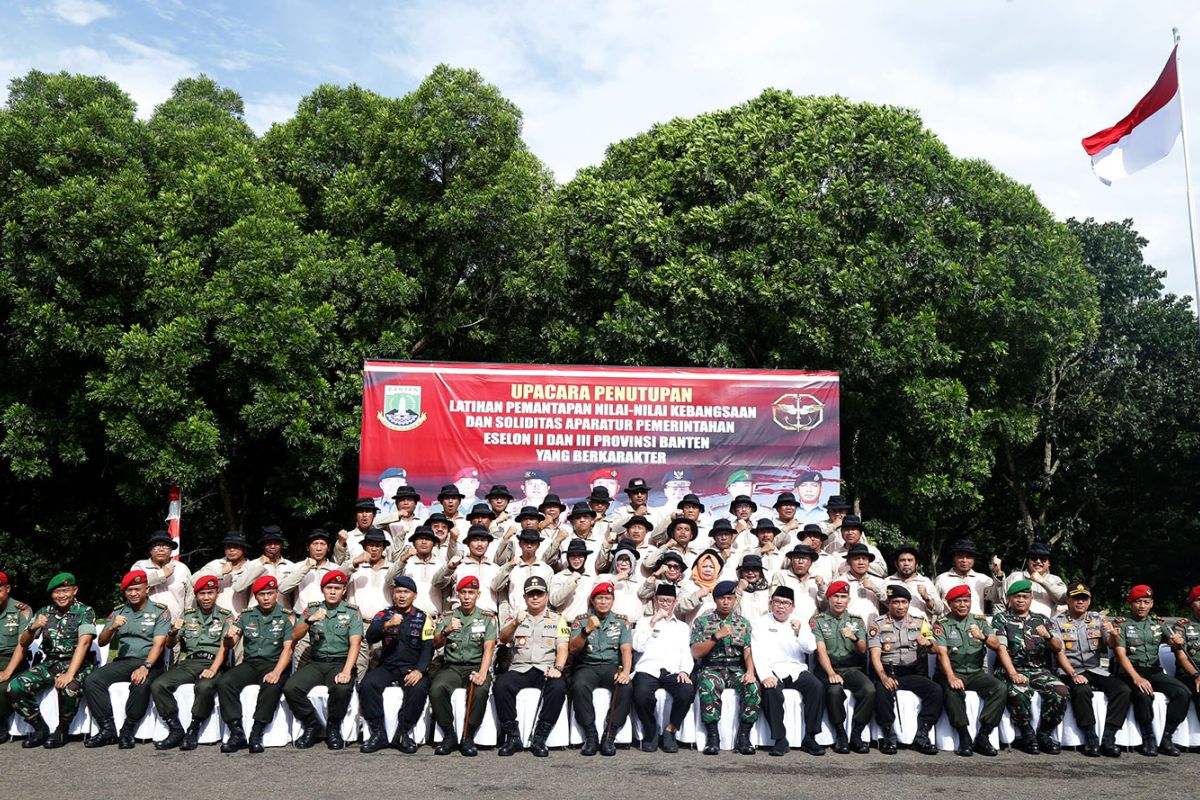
[[1039, 558]]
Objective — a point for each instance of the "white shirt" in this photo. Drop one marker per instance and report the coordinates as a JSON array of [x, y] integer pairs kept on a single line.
[[509, 583], [370, 590], [430, 596], [569, 594], [486, 571], [233, 590], [778, 649], [175, 591], [917, 605], [864, 602], [665, 645], [979, 584], [306, 581]]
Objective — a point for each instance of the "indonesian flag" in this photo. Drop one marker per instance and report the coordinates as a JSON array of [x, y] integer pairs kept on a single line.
[[1145, 135], [174, 509]]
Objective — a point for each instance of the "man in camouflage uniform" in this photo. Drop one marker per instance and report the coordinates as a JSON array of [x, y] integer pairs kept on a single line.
[[899, 643], [335, 631], [64, 660], [841, 644], [961, 640], [265, 632], [721, 647], [603, 646], [1084, 633], [1136, 642], [469, 635], [1027, 642], [15, 617], [140, 627], [1188, 629], [200, 634]]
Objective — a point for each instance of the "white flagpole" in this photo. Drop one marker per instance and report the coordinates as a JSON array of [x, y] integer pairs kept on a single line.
[[1187, 177]]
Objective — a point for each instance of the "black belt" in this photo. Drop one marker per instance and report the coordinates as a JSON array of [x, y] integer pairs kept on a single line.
[[198, 657], [897, 671], [329, 659]]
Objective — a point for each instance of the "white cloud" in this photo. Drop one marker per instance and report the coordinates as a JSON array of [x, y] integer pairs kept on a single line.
[[263, 111], [80, 12]]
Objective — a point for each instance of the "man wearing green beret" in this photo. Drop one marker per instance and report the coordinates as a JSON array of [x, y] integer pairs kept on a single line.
[[15, 617], [1027, 642], [64, 660]]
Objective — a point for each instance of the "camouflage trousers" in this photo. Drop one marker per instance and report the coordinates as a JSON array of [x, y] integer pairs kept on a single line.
[[24, 688], [712, 681], [1054, 698]]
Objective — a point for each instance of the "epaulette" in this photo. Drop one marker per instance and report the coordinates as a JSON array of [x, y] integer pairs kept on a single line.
[[292, 618], [980, 616], [1120, 620], [315, 604], [485, 612], [351, 605], [943, 619], [580, 618], [190, 609], [224, 612], [20, 606]]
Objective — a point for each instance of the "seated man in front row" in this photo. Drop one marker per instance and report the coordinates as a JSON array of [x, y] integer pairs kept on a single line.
[[721, 647], [780, 645], [899, 644]]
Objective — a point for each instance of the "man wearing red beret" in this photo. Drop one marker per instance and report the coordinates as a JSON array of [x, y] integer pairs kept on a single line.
[[335, 631], [200, 634], [841, 650], [1188, 629], [469, 635], [961, 640], [602, 646], [265, 632], [140, 627], [1136, 641], [15, 617]]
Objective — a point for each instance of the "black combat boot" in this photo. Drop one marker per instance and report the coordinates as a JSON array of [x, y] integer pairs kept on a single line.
[[809, 745], [467, 746], [333, 735], [128, 736], [1091, 744], [712, 739], [742, 743], [1148, 747], [840, 745], [1028, 741], [407, 744], [512, 739], [608, 745], [668, 743], [921, 742], [58, 736], [888, 744], [1108, 744], [983, 741], [376, 739], [104, 737], [856, 741], [591, 742], [310, 733], [191, 737], [964, 742], [175, 735], [448, 744], [38, 736], [1048, 743], [1166, 745], [256, 737], [236, 740], [537, 743]]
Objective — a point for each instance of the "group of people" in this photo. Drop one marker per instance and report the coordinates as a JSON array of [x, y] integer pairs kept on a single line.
[[603, 595]]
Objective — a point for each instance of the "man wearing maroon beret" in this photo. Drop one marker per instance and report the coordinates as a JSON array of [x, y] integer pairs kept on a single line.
[[961, 640], [841, 650], [602, 646], [15, 617], [469, 635], [335, 631], [1188, 630], [200, 633], [265, 632], [140, 627]]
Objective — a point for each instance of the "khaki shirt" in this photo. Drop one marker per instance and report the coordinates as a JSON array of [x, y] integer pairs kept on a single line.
[[536, 639], [896, 640]]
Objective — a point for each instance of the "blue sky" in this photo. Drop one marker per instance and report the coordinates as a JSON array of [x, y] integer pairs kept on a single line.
[[1018, 83]]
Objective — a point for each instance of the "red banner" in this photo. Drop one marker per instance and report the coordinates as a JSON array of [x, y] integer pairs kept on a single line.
[[538, 429]]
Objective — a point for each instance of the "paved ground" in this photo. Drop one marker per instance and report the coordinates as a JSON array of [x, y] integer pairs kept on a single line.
[[318, 773]]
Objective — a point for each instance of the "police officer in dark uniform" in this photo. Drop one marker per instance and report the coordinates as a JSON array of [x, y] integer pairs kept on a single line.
[[201, 633], [899, 643], [266, 635], [603, 646], [335, 630], [538, 637], [140, 627], [407, 635]]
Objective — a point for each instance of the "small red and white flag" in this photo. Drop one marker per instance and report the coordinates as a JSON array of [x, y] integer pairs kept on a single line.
[[174, 512], [1147, 133]]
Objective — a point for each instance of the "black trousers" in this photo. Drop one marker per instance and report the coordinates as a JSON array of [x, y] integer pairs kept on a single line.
[[859, 685], [645, 704], [95, 689], [1143, 705], [508, 684], [247, 673], [370, 694], [589, 677], [811, 692], [928, 692], [1115, 690]]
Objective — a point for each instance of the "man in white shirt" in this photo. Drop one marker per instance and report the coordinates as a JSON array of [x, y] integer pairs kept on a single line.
[[476, 564], [369, 589], [664, 662], [808, 589], [349, 542], [273, 563], [509, 583], [926, 602], [963, 573], [570, 588], [420, 561], [170, 581], [233, 572], [780, 644], [865, 592], [852, 535]]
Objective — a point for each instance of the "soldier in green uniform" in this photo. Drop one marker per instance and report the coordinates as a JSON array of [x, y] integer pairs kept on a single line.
[[1136, 643], [961, 640], [200, 634], [64, 660], [469, 635], [265, 632], [602, 645], [1188, 630], [899, 643], [15, 617], [1084, 633], [335, 633], [140, 627], [720, 644], [1027, 642], [841, 644]]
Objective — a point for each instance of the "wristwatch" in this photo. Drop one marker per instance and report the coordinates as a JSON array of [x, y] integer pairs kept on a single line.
[[148, 665]]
